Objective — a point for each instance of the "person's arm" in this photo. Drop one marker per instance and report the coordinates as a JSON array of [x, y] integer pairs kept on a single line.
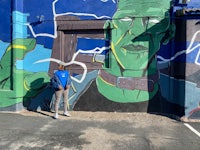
[[68, 81], [58, 81]]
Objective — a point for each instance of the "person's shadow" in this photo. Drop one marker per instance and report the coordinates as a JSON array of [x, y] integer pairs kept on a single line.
[[39, 98]]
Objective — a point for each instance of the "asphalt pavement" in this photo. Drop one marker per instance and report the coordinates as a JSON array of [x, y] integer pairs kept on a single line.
[[96, 131]]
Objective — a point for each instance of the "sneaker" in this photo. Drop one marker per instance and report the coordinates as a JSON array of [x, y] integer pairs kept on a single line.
[[56, 116], [67, 114]]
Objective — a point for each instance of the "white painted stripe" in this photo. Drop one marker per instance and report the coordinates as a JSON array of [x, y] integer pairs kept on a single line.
[[192, 129]]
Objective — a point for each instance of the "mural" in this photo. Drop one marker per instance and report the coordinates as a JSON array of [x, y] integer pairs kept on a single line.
[[129, 55]]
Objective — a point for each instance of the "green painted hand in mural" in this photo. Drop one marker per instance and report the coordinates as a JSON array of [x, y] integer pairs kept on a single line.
[[18, 85], [137, 29]]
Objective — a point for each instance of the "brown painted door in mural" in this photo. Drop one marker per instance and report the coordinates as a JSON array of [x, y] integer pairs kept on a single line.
[[65, 45]]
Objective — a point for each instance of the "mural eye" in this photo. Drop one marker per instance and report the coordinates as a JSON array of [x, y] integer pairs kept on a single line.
[[127, 19], [145, 21], [148, 22], [154, 20]]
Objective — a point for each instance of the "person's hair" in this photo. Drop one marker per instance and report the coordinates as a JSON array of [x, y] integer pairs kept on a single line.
[[61, 66]]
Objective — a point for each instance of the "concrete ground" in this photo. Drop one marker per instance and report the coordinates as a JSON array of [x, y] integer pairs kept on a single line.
[[96, 131]]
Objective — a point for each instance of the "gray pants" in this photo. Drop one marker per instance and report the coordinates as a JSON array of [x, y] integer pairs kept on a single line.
[[58, 95]]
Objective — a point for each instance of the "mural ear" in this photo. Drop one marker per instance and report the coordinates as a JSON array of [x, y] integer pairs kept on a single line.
[[170, 33], [108, 25]]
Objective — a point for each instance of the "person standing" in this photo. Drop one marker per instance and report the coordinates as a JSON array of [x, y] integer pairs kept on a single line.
[[62, 78]]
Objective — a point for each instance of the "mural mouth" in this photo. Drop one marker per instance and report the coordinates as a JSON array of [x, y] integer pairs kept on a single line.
[[135, 48]]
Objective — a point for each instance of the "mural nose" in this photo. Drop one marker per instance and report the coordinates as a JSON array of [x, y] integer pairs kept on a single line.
[[137, 28]]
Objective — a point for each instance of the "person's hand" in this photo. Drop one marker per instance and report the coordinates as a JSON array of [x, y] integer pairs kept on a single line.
[[68, 86], [60, 87]]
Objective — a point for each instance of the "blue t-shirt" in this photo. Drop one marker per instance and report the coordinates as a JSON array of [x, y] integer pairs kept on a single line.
[[63, 76]]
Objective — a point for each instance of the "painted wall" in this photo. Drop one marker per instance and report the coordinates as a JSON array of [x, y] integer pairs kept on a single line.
[[131, 55]]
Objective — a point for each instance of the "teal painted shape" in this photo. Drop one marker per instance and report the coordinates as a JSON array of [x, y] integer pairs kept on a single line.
[[164, 83], [192, 95], [80, 87], [28, 63], [19, 27], [19, 17], [181, 92], [172, 89], [3, 47], [19, 31]]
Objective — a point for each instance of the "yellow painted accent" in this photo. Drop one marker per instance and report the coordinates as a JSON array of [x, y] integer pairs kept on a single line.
[[75, 91], [71, 97], [73, 87], [25, 86], [120, 37], [125, 51], [115, 26], [105, 81], [114, 52], [119, 40], [16, 46], [93, 60], [67, 105], [99, 61]]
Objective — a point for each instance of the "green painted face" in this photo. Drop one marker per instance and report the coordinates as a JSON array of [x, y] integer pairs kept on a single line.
[[138, 28]]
